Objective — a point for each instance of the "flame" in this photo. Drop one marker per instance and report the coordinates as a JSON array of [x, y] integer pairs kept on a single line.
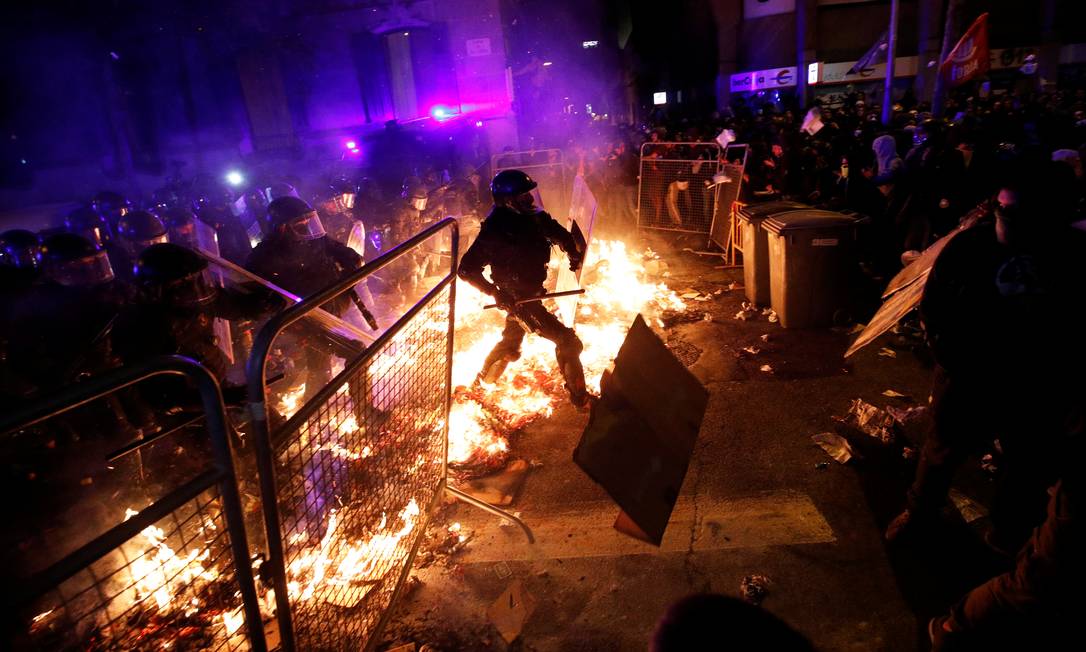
[[338, 561], [233, 620], [290, 401], [162, 574], [617, 288]]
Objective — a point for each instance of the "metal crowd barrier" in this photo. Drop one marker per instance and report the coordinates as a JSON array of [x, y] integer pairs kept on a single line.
[[177, 574], [724, 231], [349, 480], [673, 192]]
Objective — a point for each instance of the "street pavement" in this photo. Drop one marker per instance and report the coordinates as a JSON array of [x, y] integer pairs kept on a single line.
[[758, 499]]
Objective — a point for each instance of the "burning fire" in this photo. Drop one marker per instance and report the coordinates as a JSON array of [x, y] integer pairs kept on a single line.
[[168, 598], [339, 562], [617, 288], [163, 574]]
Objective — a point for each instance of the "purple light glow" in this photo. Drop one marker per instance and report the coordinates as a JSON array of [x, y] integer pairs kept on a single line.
[[351, 145], [478, 123], [440, 112]]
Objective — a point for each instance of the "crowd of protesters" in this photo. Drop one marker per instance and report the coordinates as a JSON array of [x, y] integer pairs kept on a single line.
[[1002, 307]]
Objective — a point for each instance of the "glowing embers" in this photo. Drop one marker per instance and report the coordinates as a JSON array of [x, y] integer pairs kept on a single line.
[[170, 587], [618, 285], [343, 568]]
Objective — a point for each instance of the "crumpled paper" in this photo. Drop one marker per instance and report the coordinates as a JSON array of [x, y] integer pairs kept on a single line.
[[873, 421], [835, 445]]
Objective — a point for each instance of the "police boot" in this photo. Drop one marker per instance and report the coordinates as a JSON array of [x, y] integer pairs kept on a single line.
[[493, 368], [573, 374]]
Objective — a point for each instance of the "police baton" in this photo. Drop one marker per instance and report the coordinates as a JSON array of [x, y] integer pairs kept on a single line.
[[366, 314], [552, 295]]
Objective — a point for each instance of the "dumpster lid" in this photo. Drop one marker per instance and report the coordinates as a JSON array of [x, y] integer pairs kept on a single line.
[[768, 209], [806, 219]]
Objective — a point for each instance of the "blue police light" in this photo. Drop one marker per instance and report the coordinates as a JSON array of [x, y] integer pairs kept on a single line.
[[234, 178]]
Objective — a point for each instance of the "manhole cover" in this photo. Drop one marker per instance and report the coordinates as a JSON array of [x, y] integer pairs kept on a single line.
[[686, 352]]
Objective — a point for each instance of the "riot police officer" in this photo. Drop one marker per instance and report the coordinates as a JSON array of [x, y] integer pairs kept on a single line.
[[60, 326], [20, 260], [298, 256], [215, 207], [90, 224], [515, 241], [136, 231], [180, 226], [336, 208], [20, 249], [176, 307], [112, 206]]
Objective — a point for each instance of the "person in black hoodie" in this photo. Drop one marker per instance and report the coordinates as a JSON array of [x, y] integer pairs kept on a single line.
[[515, 241]]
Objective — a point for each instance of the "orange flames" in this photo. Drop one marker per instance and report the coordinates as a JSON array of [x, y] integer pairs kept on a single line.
[[617, 287]]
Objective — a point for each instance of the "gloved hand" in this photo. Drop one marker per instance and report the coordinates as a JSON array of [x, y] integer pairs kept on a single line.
[[575, 262], [505, 300]]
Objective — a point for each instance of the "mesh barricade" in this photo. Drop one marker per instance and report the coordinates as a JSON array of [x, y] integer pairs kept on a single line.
[[171, 586], [723, 228], [674, 190], [174, 574], [349, 479]]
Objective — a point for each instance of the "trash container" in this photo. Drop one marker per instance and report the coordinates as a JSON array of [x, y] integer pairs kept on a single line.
[[755, 252], [812, 256]]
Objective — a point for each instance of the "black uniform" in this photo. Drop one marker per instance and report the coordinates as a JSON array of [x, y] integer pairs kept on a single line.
[[518, 249], [304, 268]]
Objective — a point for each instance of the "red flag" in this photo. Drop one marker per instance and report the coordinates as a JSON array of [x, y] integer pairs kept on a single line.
[[970, 57]]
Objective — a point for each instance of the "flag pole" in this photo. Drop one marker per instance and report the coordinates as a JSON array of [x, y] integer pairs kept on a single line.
[[888, 86]]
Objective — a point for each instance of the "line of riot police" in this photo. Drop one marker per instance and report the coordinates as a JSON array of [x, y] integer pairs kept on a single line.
[[122, 281]]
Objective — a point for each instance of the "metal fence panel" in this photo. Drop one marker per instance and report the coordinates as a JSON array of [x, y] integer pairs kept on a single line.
[[175, 575], [673, 190], [349, 480], [723, 228]]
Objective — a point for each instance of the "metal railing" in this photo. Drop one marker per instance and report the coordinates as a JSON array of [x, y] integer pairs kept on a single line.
[[724, 230], [177, 574], [674, 186], [349, 480]]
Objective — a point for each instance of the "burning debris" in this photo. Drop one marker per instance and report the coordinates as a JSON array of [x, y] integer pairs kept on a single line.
[[484, 417], [155, 597]]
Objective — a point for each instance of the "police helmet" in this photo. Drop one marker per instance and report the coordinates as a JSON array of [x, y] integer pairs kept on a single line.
[[20, 248], [141, 229], [90, 224], [510, 183], [170, 273], [73, 260], [294, 217], [111, 205]]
